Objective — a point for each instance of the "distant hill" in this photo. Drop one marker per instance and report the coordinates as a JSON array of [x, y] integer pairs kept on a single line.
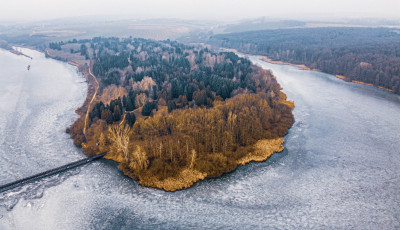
[[261, 24], [39, 33]]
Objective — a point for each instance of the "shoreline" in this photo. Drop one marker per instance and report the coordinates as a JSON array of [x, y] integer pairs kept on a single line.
[[263, 149], [187, 177], [79, 137], [303, 67], [344, 78], [19, 53], [269, 60], [12, 49]]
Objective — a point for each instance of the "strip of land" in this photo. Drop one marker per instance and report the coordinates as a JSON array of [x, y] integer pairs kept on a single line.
[[303, 67]]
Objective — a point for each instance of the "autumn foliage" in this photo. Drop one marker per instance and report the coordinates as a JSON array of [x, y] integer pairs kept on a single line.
[[200, 115]]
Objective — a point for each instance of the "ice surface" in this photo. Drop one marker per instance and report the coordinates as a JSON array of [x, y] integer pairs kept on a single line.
[[339, 169]]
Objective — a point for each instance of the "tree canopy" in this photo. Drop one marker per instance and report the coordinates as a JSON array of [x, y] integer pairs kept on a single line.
[[370, 55]]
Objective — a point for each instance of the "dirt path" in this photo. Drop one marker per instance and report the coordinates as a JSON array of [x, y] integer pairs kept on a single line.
[[124, 116], [123, 119], [91, 101]]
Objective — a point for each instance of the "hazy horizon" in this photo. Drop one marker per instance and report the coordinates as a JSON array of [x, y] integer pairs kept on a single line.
[[221, 10]]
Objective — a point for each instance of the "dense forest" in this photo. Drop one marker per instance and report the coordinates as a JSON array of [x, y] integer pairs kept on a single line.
[[370, 55], [172, 114]]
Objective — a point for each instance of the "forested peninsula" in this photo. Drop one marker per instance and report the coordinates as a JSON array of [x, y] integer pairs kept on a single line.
[[173, 114], [361, 55]]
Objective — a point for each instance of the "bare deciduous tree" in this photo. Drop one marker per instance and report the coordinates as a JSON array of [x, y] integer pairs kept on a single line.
[[119, 137]]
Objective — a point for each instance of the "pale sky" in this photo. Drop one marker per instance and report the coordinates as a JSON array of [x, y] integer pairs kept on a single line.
[[11, 10]]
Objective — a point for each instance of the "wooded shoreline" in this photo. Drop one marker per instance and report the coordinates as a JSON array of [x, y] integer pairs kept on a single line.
[[176, 171], [303, 67]]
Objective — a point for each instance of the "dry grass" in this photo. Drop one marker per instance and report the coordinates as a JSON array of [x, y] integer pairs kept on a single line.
[[263, 150], [290, 104], [283, 100], [341, 77], [184, 179], [266, 59], [362, 83], [187, 177], [390, 90], [115, 157]]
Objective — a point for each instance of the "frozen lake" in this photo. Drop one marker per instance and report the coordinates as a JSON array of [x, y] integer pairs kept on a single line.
[[340, 167]]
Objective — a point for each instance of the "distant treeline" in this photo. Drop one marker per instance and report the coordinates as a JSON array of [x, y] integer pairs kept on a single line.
[[370, 55]]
